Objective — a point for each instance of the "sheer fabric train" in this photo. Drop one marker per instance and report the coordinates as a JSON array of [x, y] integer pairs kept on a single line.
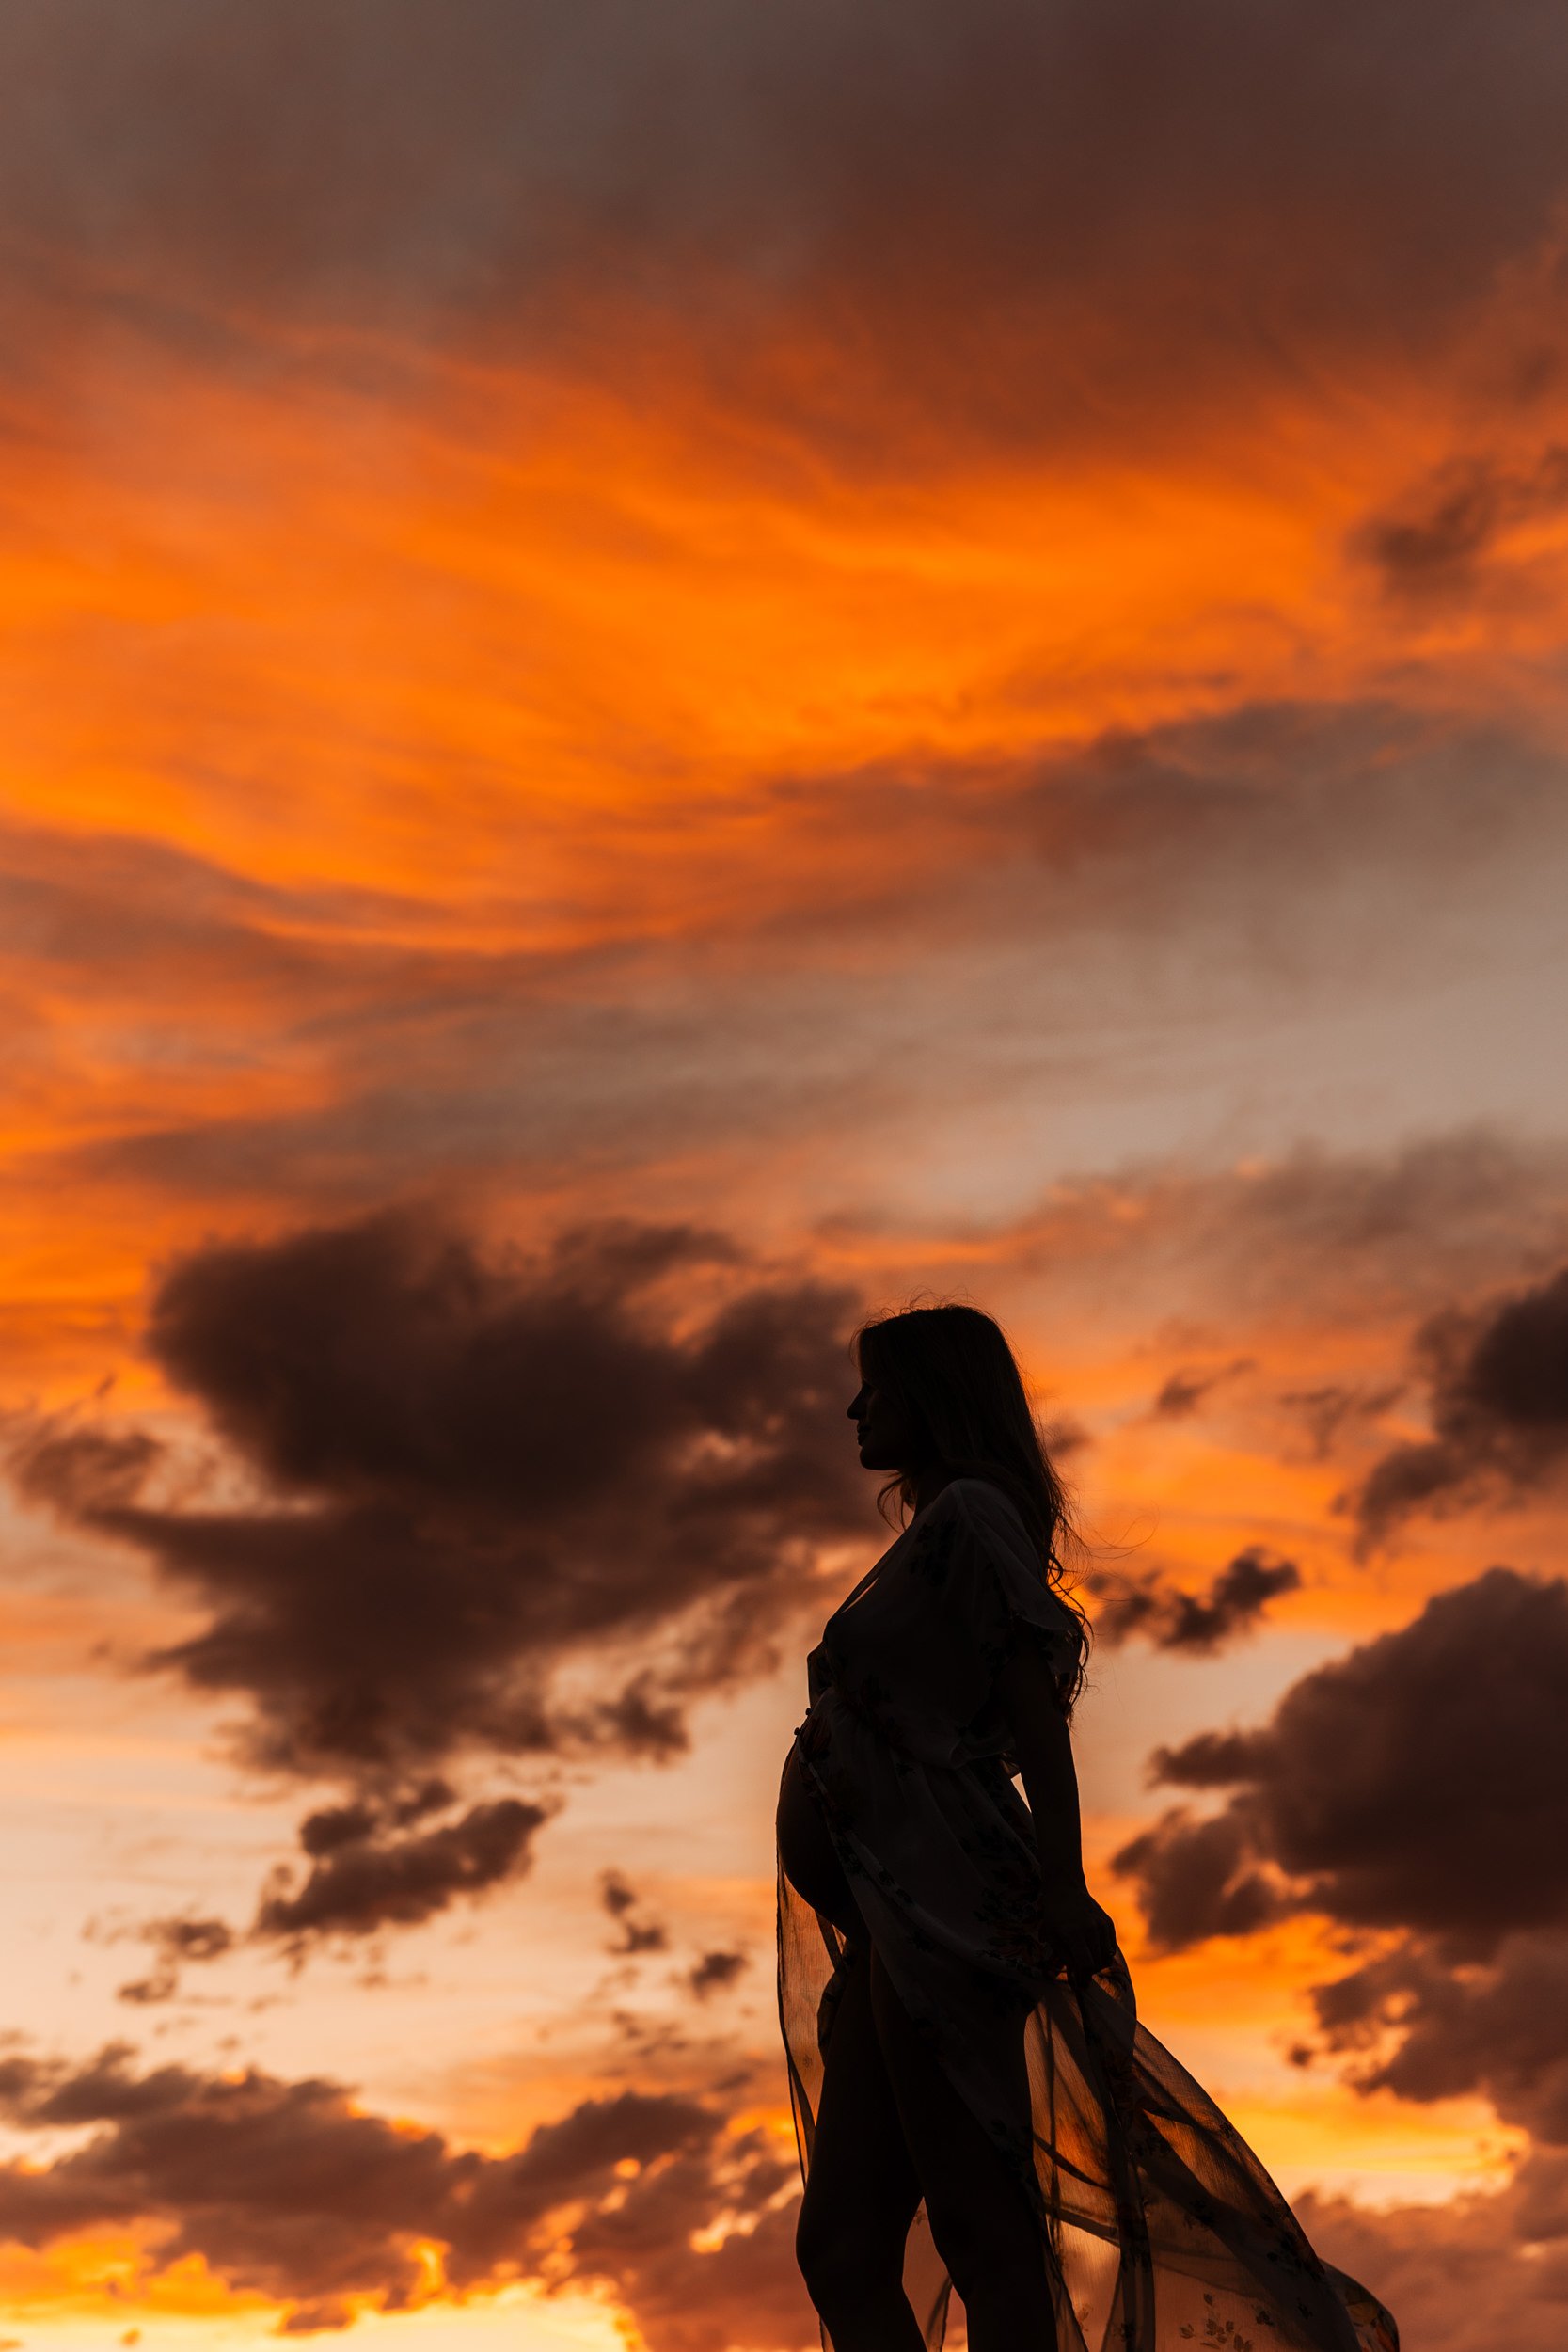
[[1163, 2233]]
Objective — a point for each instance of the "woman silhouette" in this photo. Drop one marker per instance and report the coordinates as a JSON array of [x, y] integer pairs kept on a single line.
[[974, 2102]]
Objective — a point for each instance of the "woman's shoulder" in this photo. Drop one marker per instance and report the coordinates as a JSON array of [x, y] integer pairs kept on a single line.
[[981, 1499], [981, 1510], [996, 1526]]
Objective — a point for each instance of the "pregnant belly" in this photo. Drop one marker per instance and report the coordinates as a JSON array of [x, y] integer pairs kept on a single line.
[[806, 1852]]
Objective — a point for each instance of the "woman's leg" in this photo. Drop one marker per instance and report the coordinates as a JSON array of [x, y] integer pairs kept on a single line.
[[862, 2192], [983, 2226]]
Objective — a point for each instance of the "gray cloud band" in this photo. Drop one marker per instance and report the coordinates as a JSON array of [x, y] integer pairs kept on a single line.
[[481, 173], [288, 2189]]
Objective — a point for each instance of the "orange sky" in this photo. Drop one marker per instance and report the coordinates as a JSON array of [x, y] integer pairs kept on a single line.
[[939, 652]]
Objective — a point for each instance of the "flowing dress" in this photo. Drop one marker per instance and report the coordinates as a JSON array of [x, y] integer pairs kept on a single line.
[[1161, 2230]]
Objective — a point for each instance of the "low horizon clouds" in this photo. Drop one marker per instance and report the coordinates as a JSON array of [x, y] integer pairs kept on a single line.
[[288, 2190]]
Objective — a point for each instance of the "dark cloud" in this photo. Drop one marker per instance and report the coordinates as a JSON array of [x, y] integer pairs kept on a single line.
[[334, 1826], [1332, 1407], [288, 2189], [175, 1941], [280, 2187], [1175, 1620], [368, 1867], [1434, 541], [1185, 1390], [1418, 2025], [567, 2160], [947, 183], [473, 1473], [1197, 1878], [715, 1972], [1419, 1783], [1182, 1394], [1498, 1406], [637, 1936], [1466, 2276], [748, 2292], [79, 1470], [1065, 1436], [365, 1882], [1415, 1792]]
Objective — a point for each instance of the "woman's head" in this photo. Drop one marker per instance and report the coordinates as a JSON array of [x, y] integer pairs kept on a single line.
[[941, 1390]]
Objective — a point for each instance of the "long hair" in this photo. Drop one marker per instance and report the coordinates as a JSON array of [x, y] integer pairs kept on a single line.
[[957, 1379]]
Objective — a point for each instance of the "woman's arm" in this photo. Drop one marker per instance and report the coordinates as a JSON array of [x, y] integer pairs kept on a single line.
[[1086, 1934]]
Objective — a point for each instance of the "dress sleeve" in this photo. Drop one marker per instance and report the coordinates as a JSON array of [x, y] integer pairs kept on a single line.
[[986, 1581]]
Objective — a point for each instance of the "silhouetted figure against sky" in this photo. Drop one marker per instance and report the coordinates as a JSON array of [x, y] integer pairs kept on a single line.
[[974, 2102]]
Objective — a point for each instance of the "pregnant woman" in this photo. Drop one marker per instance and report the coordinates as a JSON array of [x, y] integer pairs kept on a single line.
[[974, 2102]]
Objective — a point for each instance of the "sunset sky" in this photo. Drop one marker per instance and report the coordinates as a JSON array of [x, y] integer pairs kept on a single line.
[[670, 672]]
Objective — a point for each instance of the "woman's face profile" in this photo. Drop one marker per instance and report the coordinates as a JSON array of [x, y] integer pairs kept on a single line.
[[883, 1429]]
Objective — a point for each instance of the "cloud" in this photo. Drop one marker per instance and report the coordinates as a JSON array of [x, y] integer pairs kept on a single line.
[[1184, 1391], [367, 1867], [1334, 1406], [1416, 1793], [1498, 1404], [1429, 2029], [1201, 1622], [953, 185], [637, 1936], [712, 1972], [472, 1474], [748, 2292], [715, 1972], [1468, 2275], [1434, 541], [288, 2190], [282, 2187], [365, 1883], [266, 1052], [1162, 822], [1196, 1879], [1419, 1783], [174, 1941], [1312, 1237]]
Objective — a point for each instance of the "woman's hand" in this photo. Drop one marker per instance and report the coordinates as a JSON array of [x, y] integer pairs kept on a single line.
[[1084, 1933]]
